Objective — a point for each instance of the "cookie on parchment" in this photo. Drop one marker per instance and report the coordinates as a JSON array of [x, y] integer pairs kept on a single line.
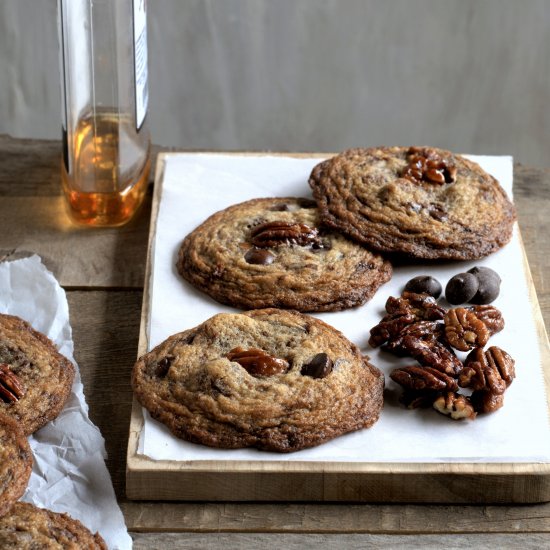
[[15, 463], [273, 253], [421, 202], [27, 527], [273, 379], [35, 379]]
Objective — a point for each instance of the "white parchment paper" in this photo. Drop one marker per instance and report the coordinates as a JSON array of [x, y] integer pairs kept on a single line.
[[69, 473], [195, 186]]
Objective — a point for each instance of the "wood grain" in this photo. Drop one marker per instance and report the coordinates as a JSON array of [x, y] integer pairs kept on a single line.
[[534, 541]]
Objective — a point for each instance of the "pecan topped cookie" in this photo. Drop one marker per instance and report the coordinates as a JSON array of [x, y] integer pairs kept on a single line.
[[421, 202], [273, 253], [15, 463], [27, 527], [35, 379], [273, 379]]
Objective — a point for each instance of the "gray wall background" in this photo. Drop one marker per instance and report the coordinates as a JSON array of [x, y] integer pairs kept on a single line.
[[314, 75]]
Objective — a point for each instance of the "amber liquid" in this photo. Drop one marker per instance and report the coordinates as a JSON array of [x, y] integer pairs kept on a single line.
[[109, 171]]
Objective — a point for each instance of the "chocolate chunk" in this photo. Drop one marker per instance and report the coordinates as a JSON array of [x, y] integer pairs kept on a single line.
[[319, 367], [461, 288], [259, 256], [489, 285], [424, 284]]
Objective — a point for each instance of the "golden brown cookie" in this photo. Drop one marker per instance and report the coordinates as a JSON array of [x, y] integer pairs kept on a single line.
[[35, 379], [15, 463], [27, 527], [273, 379], [421, 202], [273, 253]]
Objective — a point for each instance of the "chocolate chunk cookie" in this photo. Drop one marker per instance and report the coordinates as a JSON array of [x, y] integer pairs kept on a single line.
[[27, 527], [420, 202], [35, 379], [273, 253], [273, 379], [15, 463]]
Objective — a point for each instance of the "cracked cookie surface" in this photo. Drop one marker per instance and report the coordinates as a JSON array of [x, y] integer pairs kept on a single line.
[[419, 202], [15, 463], [27, 527], [273, 379], [273, 253], [43, 375]]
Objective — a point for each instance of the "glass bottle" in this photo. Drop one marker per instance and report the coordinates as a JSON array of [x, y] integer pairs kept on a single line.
[[106, 147]]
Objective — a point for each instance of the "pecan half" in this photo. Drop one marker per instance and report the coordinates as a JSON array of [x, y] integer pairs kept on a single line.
[[464, 330], [422, 306], [491, 370], [423, 378], [421, 330], [432, 353], [257, 362], [414, 399], [11, 387], [278, 233], [454, 405], [427, 165], [389, 327], [486, 401], [491, 316]]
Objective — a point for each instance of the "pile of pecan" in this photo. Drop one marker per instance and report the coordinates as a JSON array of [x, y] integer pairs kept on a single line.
[[426, 165], [416, 326]]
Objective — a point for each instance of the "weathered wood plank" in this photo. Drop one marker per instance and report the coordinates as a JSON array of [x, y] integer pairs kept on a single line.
[[334, 518], [77, 256], [219, 541]]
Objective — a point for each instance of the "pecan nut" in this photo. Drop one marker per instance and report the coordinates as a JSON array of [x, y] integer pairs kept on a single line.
[[278, 233], [427, 165], [486, 401], [455, 405], [464, 330], [423, 378], [11, 387], [491, 316], [491, 370], [422, 306], [388, 328], [257, 362], [432, 353]]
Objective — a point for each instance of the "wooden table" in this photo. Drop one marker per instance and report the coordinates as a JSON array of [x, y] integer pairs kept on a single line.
[[102, 271]]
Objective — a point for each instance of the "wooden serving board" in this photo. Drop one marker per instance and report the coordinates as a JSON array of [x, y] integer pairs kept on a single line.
[[241, 480]]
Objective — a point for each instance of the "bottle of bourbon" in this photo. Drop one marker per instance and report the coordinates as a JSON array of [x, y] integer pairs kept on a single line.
[[106, 147]]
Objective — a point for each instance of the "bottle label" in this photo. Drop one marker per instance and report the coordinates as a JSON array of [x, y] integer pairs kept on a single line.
[[140, 60]]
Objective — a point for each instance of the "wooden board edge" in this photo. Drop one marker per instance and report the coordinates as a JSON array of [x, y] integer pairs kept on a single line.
[[150, 479]]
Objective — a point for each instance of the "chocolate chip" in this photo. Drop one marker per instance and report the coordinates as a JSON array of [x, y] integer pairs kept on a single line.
[[162, 367], [259, 256], [319, 367], [280, 208], [424, 284], [461, 288], [307, 203], [489, 285]]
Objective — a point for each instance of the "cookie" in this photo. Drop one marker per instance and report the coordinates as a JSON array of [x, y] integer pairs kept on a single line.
[[35, 379], [420, 202], [27, 527], [273, 253], [15, 463], [273, 379]]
